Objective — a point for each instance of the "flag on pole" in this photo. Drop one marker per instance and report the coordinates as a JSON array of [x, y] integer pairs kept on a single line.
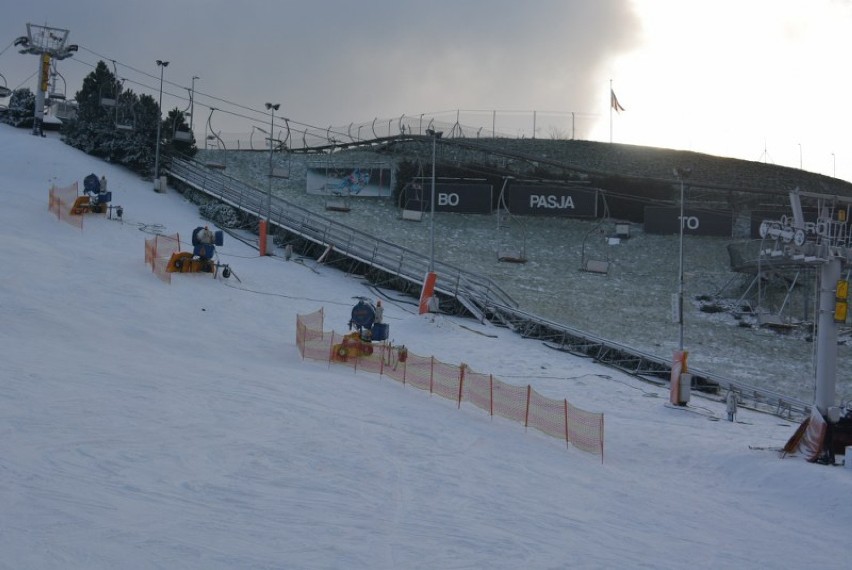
[[614, 101]]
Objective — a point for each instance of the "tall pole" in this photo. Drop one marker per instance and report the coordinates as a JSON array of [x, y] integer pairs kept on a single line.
[[826, 351], [272, 108], [680, 273], [432, 209], [681, 173], [610, 111], [162, 65], [800, 156]]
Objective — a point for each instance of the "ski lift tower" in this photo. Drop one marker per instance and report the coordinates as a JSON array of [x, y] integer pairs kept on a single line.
[[826, 244], [47, 43]]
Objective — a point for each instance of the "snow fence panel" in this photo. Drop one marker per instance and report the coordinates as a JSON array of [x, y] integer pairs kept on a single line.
[[510, 401], [546, 415], [477, 390], [446, 380], [585, 429], [60, 202], [418, 371]]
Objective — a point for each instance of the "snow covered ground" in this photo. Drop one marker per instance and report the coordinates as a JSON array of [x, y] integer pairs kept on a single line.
[[147, 425], [630, 305]]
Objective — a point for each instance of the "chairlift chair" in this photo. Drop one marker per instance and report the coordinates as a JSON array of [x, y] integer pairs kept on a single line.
[[4, 89], [125, 117], [55, 93], [108, 98], [506, 252]]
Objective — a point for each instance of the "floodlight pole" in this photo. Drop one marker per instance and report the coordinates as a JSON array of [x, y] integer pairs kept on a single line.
[[162, 65], [435, 136], [272, 107], [681, 173]]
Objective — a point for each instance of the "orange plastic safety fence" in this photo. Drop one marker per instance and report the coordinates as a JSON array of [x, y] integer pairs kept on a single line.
[[446, 379], [477, 390], [60, 201], [160, 252], [418, 371], [585, 429], [510, 401], [546, 415], [557, 418]]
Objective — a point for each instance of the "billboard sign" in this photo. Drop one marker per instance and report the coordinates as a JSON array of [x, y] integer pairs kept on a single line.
[[665, 220], [559, 201], [458, 198], [369, 180]]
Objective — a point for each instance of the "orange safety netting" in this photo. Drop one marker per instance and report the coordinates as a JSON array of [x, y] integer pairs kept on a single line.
[[158, 251], [557, 418], [60, 201]]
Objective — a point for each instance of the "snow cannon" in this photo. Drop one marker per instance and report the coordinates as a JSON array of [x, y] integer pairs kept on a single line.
[[367, 320], [200, 259], [95, 198]]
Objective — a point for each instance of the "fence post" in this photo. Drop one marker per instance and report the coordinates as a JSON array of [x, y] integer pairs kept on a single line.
[[431, 372], [491, 393], [331, 349], [527, 412], [461, 382], [567, 437]]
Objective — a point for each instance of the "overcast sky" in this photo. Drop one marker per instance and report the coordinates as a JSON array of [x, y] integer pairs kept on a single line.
[[755, 79]]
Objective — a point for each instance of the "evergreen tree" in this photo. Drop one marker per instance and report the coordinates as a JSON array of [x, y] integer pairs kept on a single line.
[[21, 108], [173, 128], [114, 123], [91, 131]]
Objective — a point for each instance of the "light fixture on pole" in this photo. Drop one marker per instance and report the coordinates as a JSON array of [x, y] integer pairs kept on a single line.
[[271, 107], [435, 136], [162, 65], [681, 173]]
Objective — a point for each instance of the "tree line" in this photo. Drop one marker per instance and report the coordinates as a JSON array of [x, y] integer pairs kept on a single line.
[[113, 123]]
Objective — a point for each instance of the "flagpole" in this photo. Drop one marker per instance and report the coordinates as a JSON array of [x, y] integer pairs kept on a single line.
[[610, 111]]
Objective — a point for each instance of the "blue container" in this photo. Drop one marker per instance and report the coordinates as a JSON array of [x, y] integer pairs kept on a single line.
[[380, 331]]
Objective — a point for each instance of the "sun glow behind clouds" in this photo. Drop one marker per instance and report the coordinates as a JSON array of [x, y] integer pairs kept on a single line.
[[758, 80]]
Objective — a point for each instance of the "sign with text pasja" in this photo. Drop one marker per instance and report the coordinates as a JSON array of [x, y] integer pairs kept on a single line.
[[562, 201]]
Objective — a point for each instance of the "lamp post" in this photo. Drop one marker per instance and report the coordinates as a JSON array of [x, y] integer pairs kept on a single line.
[[681, 173], [800, 156], [435, 136], [162, 65], [272, 107], [833, 165]]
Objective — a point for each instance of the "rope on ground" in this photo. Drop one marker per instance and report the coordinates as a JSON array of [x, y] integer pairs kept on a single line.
[[269, 294]]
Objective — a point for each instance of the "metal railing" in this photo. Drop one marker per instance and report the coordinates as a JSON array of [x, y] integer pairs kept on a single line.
[[353, 243]]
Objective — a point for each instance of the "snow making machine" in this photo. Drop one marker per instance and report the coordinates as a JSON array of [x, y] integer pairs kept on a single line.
[[200, 259], [366, 320], [95, 198]]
